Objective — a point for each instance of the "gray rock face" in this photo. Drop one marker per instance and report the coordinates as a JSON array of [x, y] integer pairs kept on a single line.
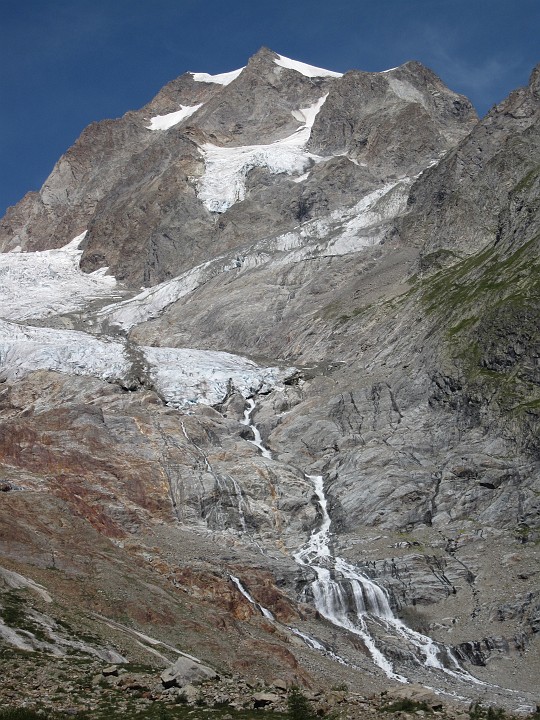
[[466, 190], [395, 122], [391, 258], [90, 170], [135, 190]]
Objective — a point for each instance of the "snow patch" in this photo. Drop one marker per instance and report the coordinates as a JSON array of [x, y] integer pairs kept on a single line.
[[344, 231], [226, 168], [49, 282], [307, 70], [164, 122], [220, 79]]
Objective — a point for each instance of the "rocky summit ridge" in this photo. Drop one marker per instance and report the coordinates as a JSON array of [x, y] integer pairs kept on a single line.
[[270, 388]]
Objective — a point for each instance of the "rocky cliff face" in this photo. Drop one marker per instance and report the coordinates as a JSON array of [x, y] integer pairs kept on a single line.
[[316, 428]]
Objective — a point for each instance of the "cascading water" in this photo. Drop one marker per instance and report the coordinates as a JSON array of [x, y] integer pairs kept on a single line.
[[309, 640], [257, 441], [347, 598], [264, 611], [328, 593]]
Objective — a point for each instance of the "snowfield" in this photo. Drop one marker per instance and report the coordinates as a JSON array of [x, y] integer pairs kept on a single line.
[[220, 79], [164, 122], [224, 181], [304, 69]]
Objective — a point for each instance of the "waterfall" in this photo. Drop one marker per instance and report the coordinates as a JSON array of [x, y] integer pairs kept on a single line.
[[264, 611], [257, 441], [309, 640], [347, 598]]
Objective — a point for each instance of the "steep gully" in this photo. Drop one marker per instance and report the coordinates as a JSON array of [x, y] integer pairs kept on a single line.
[[351, 600]]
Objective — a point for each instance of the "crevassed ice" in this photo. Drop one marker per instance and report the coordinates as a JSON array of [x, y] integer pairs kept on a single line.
[[224, 181], [26, 349], [40, 284], [182, 376], [220, 79], [186, 376], [304, 69], [164, 122]]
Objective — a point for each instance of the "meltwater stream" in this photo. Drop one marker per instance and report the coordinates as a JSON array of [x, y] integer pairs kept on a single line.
[[257, 441], [348, 598]]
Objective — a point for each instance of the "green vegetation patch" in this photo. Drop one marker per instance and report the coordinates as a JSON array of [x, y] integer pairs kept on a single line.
[[487, 307], [487, 279], [528, 180], [13, 611], [20, 714]]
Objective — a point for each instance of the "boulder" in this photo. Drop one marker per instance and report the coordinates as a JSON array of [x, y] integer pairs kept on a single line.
[[184, 672], [263, 699], [190, 694], [110, 670]]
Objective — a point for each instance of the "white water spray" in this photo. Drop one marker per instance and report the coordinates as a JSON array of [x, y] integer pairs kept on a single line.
[[347, 598], [257, 441], [264, 611]]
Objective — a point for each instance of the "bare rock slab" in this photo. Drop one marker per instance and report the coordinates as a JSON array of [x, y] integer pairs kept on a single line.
[[186, 672]]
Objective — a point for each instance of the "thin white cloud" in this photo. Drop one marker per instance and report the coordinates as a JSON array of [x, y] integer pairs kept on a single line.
[[484, 81]]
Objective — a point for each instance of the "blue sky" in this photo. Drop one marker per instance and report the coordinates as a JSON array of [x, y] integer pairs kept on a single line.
[[65, 63]]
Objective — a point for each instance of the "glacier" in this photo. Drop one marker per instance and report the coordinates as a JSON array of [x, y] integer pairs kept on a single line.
[[224, 181], [40, 284]]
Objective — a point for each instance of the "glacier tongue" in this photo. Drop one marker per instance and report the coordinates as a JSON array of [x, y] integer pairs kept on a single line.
[[182, 376], [185, 377], [26, 349], [40, 284]]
